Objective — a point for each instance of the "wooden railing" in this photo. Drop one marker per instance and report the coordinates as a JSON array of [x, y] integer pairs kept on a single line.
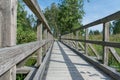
[[12, 56], [75, 41]]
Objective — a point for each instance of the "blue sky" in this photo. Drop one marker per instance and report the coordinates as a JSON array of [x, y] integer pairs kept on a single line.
[[94, 10]]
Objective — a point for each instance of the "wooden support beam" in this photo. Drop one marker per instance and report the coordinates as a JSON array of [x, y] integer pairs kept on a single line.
[[81, 45], [45, 38], [39, 38], [115, 54], [8, 21], [24, 70], [94, 51], [77, 34], [86, 38], [106, 39]]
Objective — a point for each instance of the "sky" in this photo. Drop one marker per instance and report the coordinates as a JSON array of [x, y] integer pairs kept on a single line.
[[94, 10]]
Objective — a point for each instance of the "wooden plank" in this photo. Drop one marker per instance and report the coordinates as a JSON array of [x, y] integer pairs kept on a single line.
[[39, 38], [94, 51], [40, 71], [66, 65], [106, 69], [24, 70], [31, 74], [77, 37], [105, 38], [34, 6], [8, 21], [81, 45], [13, 55], [45, 38], [110, 44], [115, 54], [111, 17], [86, 38]]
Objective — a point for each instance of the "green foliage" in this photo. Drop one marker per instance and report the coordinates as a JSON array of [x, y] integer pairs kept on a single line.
[[25, 24], [30, 62], [116, 26], [66, 16], [20, 76], [71, 12], [51, 15]]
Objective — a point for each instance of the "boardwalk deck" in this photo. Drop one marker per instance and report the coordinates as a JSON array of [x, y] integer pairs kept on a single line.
[[66, 65]]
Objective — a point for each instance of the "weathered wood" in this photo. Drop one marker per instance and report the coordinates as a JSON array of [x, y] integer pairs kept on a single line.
[[110, 44], [86, 38], [9, 75], [111, 17], [13, 55], [77, 35], [81, 45], [40, 71], [45, 38], [108, 70], [23, 70], [115, 54], [39, 38], [31, 74], [105, 38], [8, 20], [94, 51], [34, 6]]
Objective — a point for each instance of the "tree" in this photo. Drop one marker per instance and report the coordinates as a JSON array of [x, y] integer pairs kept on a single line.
[[64, 17], [25, 24], [116, 26], [70, 15], [51, 15], [96, 32]]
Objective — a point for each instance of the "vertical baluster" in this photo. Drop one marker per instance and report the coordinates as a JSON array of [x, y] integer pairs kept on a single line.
[[39, 38], [105, 38], [86, 44], [77, 41], [8, 22]]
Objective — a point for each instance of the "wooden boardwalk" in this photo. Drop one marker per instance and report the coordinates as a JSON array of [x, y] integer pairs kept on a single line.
[[66, 65]]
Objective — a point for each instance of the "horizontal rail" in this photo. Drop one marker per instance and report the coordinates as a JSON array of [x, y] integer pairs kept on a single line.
[[110, 71], [34, 6], [111, 17], [39, 74], [13, 55], [103, 43]]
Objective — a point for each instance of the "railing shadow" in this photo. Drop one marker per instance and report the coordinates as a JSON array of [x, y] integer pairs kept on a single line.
[[75, 75]]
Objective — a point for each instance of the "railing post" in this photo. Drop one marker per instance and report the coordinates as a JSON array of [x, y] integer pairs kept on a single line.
[[77, 41], [8, 20], [39, 38], [45, 38], [105, 38], [86, 44]]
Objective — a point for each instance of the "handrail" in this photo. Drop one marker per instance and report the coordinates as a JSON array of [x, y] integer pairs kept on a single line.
[[105, 43], [111, 17], [13, 55], [34, 6]]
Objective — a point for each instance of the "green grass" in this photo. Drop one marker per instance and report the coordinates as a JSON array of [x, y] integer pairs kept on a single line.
[[30, 62], [113, 38], [20, 76]]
